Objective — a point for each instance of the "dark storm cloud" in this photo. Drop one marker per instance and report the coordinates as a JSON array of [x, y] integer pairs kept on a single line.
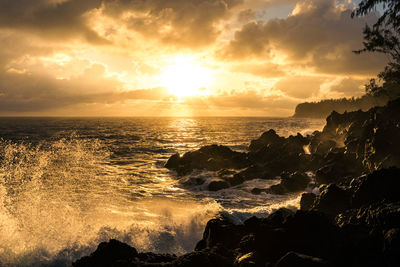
[[179, 22], [51, 19], [319, 32]]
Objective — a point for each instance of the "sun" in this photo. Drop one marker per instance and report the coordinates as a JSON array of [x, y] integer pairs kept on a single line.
[[185, 77]]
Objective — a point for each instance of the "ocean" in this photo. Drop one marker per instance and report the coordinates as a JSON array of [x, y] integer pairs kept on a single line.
[[67, 184]]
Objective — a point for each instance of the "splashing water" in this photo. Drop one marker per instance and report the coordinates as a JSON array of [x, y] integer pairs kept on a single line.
[[59, 199]]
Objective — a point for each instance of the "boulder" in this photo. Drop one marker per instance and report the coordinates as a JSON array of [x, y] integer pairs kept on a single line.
[[217, 185], [332, 200], [291, 183], [307, 201], [220, 232], [293, 259], [391, 248], [173, 161], [267, 138], [379, 185], [212, 158], [107, 254]]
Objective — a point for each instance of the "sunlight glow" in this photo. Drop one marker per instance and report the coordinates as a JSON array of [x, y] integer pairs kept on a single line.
[[186, 77]]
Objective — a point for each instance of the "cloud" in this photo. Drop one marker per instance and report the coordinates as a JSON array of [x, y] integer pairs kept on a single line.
[[319, 34], [266, 69], [27, 92], [51, 19], [250, 102], [351, 86], [301, 87], [191, 23]]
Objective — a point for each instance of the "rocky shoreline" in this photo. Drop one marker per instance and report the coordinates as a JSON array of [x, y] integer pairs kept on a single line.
[[354, 220]]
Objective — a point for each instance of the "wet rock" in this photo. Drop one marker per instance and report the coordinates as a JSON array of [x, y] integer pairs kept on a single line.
[[107, 254], [337, 168], [257, 191], [307, 201], [213, 257], [392, 247], [212, 158], [291, 183], [216, 185], [268, 138], [192, 181], [225, 173], [153, 258], [332, 200], [222, 232], [377, 186], [250, 173], [173, 162], [248, 259], [292, 259], [379, 215]]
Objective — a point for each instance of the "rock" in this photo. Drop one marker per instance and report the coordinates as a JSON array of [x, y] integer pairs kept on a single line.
[[268, 138], [391, 249], [291, 183], [337, 168], [173, 162], [293, 259], [332, 200], [213, 257], [248, 259], [307, 201], [377, 186], [379, 215], [222, 232], [257, 191], [216, 185], [154, 258], [212, 158], [107, 254], [191, 181]]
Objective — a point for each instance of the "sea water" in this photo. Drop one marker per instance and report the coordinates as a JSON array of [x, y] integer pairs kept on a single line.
[[67, 184]]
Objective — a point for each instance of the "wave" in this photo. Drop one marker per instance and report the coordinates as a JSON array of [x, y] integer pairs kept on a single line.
[[59, 199]]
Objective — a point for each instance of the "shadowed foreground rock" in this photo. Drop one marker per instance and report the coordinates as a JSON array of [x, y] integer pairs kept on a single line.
[[341, 228]]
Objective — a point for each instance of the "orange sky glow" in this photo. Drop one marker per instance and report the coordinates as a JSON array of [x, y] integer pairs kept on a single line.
[[178, 57]]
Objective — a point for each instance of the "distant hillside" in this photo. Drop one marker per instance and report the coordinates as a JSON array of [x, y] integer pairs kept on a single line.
[[323, 108]]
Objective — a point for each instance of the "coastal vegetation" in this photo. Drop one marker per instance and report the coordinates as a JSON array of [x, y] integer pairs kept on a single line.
[[382, 37]]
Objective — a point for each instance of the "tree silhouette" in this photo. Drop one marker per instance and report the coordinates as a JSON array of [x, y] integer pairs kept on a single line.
[[383, 37]]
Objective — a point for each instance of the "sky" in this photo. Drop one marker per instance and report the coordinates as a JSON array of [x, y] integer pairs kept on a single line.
[[178, 57]]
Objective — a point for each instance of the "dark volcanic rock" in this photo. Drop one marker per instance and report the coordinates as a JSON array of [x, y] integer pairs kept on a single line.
[[108, 254], [291, 183], [391, 248], [380, 215], [211, 158], [222, 232], [173, 162], [307, 201], [217, 185], [338, 166], [377, 186], [293, 259], [268, 138], [332, 200]]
